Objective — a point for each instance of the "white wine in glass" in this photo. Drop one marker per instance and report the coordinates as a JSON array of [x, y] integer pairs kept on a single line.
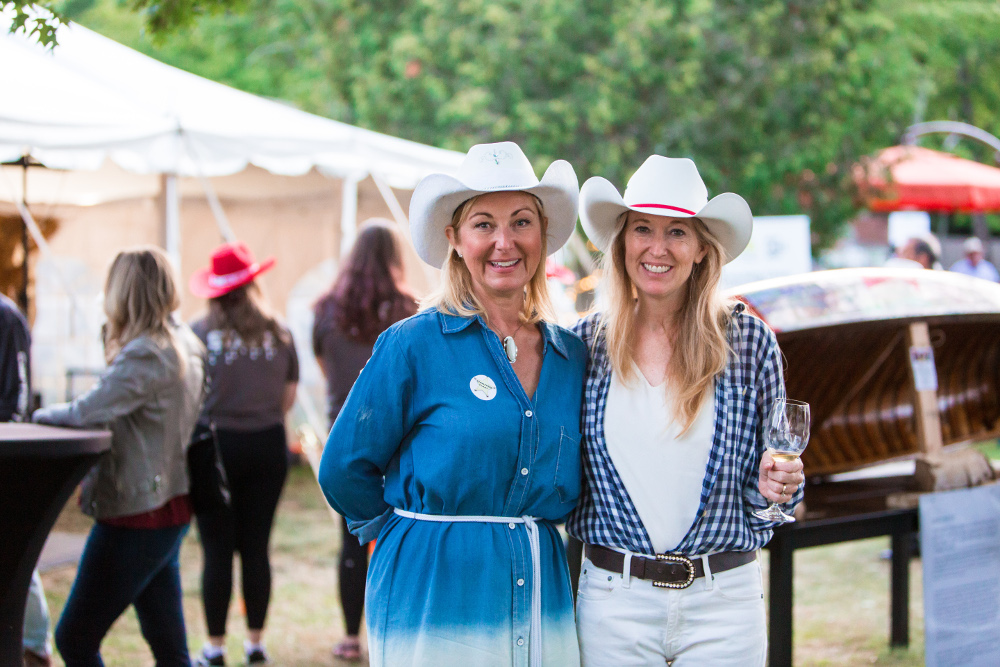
[[786, 435]]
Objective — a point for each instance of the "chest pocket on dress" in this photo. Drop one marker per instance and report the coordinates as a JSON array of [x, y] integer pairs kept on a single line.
[[567, 478]]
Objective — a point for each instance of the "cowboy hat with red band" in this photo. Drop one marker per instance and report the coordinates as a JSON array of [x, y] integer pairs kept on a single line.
[[233, 265], [669, 187]]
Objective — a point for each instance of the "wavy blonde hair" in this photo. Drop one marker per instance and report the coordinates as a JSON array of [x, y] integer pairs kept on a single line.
[[701, 348], [139, 296], [455, 295]]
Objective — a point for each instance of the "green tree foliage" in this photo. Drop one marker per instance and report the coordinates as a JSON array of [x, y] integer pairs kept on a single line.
[[957, 43], [801, 91], [774, 99], [160, 17], [41, 27]]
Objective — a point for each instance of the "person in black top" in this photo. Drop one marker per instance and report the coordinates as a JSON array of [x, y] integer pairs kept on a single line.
[[367, 297], [15, 403], [15, 360], [253, 372]]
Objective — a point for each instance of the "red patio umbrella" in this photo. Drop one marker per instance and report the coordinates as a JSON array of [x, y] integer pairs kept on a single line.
[[910, 177]]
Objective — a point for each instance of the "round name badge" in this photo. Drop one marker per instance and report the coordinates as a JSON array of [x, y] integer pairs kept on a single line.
[[483, 388]]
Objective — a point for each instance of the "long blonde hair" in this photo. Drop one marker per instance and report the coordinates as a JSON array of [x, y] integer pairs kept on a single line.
[[455, 295], [139, 296], [701, 348]]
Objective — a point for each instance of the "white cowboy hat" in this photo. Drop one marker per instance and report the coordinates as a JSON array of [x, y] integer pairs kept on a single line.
[[499, 167], [972, 244], [670, 187]]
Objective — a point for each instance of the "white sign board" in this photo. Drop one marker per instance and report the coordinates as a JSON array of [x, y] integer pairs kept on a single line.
[[904, 225], [779, 246], [960, 549], [924, 371]]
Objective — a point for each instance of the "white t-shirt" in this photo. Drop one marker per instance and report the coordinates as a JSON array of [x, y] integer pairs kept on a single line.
[[662, 473]]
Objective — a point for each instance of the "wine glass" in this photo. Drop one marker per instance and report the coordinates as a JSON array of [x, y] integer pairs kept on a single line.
[[786, 434]]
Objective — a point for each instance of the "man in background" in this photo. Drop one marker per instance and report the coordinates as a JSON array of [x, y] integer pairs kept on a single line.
[[974, 263], [15, 405], [919, 252]]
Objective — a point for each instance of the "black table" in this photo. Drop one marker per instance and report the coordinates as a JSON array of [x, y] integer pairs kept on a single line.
[[40, 467], [901, 525]]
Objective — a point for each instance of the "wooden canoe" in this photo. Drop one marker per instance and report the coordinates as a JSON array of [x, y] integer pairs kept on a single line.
[[843, 334]]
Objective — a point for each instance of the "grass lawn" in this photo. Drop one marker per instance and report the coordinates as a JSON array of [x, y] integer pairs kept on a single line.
[[304, 618], [841, 603], [991, 448]]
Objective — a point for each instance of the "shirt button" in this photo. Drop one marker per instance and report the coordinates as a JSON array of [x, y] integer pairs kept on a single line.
[[524, 471], [520, 641], [528, 413], [511, 525], [520, 582]]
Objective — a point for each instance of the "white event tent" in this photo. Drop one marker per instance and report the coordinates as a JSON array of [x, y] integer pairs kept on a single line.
[[95, 107], [91, 99]]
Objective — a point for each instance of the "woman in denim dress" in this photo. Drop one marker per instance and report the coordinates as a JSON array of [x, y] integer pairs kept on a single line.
[[459, 445]]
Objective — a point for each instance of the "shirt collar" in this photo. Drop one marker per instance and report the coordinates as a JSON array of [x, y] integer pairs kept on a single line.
[[454, 323], [554, 337]]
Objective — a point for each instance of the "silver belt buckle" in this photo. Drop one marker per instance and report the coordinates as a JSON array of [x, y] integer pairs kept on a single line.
[[684, 560]]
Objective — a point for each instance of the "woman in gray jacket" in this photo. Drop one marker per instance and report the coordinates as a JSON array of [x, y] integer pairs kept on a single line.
[[149, 398]]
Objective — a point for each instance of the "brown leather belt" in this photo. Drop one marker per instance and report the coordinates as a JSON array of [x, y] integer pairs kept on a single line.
[[668, 570]]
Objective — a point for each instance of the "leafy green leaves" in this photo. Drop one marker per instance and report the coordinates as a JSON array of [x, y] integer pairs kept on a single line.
[[161, 17], [774, 99], [41, 26]]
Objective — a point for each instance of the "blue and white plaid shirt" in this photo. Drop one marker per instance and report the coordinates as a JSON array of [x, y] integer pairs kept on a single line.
[[751, 382]]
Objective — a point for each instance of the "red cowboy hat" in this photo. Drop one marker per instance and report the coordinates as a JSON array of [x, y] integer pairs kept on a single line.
[[233, 265]]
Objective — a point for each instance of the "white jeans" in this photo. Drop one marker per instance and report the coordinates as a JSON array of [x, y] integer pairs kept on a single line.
[[718, 620], [36, 618]]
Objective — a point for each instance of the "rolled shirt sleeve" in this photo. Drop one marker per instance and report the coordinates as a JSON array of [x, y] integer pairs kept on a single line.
[[770, 388], [366, 436]]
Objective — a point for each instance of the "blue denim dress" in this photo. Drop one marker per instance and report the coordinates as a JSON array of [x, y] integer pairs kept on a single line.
[[440, 415]]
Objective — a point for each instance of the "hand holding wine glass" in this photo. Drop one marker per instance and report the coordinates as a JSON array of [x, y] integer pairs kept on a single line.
[[786, 435]]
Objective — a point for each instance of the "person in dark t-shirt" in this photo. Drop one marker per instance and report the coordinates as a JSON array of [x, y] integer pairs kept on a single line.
[[253, 373], [15, 402], [367, 297], [15, 362]]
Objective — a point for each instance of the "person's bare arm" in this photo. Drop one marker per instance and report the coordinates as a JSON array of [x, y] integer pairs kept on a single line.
[[289, 399]]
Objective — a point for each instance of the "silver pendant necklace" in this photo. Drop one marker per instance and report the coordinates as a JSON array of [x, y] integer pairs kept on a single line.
[[509, 346]]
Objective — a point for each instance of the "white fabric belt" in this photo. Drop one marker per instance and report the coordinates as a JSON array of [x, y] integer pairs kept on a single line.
[[535, 638]]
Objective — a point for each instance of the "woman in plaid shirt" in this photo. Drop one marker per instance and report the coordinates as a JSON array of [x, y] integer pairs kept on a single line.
[[678, 382]]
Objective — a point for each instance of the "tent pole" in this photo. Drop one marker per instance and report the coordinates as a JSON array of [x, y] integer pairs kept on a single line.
[[390, 199], [43, 246], [171, 218], [221, 221], [22, 295], [349, 213], [429, 273]]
